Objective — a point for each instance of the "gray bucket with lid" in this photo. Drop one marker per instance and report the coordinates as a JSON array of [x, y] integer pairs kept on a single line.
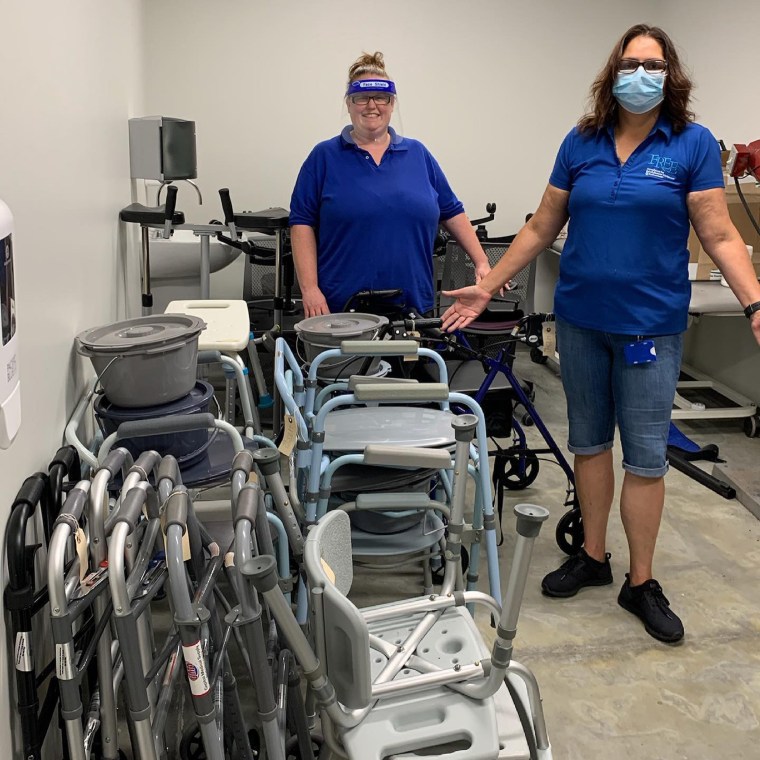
[[329, 331], [145, 361]]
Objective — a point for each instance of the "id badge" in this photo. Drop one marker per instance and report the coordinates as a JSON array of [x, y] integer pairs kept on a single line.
[[640, 352]]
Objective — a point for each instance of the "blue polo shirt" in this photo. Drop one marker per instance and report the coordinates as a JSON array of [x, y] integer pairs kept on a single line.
[[624, 267], [375, 224]]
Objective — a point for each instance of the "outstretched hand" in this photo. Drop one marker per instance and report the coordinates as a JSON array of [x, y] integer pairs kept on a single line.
[[470, 303]]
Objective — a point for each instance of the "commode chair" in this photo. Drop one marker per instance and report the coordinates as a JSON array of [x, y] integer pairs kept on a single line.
[[227, 334], [397, 416]]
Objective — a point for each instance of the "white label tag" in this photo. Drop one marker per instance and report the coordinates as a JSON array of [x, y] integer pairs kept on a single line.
[[195, 665], [64, 661], [82, 553], [24, 657], [289, 436], [550, 339]]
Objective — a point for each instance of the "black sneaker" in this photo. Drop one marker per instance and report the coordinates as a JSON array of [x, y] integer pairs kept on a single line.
[[576, 572], [649, 604]]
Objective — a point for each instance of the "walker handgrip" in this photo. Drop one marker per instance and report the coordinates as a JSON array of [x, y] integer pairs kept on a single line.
[[402, 392], [68, 458], [131, 508], [176, 510], [243, 462], [224, 196], [171, 202], [31, 491], [169, 470], [247, 504], [180, 423], [20, 566], [145, 463], [75, 503]]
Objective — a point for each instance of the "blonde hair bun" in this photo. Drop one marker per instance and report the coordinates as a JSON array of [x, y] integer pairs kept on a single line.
[[368, 64]]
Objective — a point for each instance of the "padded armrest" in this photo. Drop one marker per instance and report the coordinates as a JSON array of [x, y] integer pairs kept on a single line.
[[149, 216], [268, 220]]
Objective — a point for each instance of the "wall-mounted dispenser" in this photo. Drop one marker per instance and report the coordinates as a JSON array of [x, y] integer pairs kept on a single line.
[[162, 148], [10, 385]]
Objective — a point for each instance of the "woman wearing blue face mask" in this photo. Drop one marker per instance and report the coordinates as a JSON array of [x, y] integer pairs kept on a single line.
[[630, 177]]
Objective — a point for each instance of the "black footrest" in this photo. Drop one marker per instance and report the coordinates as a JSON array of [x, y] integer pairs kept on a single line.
[[151, 216], [268, 220]]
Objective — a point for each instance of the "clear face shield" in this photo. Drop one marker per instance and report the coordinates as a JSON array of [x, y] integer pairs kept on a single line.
[[366, 93]]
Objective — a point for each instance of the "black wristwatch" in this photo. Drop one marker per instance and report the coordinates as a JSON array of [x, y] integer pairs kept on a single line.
[[751, 309]]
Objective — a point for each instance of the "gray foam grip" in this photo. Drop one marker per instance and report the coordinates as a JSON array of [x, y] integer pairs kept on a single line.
[[178, 423]]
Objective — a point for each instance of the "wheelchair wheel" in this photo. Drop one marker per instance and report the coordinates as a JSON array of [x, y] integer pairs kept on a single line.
[[517, 470], [537, 356], [569, 533]]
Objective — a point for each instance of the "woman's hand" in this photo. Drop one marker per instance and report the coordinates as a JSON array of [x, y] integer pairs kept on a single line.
[[469, 304], [314, 303]]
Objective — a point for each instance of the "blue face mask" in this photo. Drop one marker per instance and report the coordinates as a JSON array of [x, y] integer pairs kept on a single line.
[[639, 92]]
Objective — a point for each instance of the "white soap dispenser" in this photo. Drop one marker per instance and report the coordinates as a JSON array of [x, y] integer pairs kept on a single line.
[[10, 386]]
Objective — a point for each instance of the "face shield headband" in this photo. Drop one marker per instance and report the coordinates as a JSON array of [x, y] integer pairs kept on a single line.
[[362, 86]]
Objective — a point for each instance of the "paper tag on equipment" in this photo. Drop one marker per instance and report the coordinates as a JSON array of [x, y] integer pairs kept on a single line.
[[23, 656], [328, 571], [81, 542], [195, 665], [289, 436], [550, 339]]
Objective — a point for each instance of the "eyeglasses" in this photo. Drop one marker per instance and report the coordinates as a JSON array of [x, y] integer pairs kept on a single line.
[[362, 100], [651, 65]]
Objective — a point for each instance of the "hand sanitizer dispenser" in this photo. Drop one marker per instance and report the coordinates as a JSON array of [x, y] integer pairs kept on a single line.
[[10, 394]]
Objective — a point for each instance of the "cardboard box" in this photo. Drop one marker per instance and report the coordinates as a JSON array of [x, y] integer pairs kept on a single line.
[[749, 234]]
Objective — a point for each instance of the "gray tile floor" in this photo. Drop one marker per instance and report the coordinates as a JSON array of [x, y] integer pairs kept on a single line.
[[609, 689]]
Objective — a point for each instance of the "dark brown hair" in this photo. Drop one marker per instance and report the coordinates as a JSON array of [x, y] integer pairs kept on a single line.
[[677, 92]]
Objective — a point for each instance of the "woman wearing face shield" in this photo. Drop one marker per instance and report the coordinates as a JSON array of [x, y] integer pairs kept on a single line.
[[629, 177], [367, 204]]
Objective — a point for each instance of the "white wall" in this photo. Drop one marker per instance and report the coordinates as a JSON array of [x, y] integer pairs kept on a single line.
[[491, 87], [70, 77]]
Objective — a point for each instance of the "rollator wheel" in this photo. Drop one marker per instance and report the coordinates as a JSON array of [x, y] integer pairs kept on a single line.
[[520, 469], [191, 746], [537, 356], [569, 533], [752, 426]]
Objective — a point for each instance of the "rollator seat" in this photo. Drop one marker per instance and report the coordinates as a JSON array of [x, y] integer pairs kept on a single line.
[[149, 216], [403, 426], [269, 220]]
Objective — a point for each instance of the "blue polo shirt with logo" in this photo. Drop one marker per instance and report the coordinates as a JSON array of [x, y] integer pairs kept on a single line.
[[624, 266], [375, 224]]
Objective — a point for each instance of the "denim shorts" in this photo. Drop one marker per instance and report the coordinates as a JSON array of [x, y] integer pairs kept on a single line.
[[603, 389]]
